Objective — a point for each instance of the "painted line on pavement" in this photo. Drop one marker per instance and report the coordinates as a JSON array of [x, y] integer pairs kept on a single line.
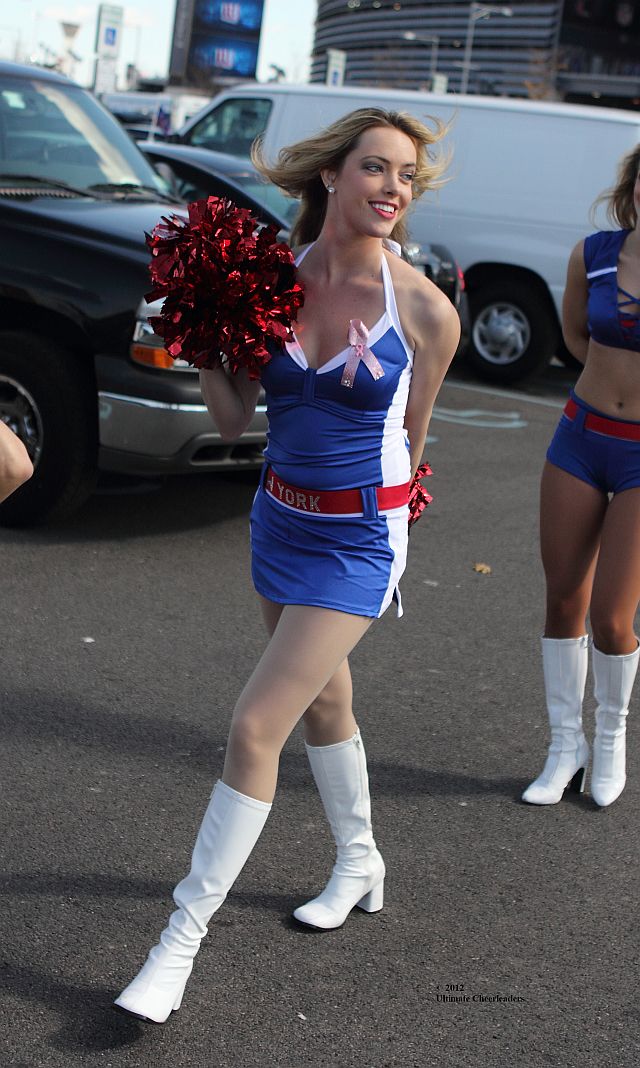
[[480, 417]]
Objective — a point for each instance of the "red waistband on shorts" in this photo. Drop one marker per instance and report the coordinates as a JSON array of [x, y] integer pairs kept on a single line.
[[331, 502], [602, 424]]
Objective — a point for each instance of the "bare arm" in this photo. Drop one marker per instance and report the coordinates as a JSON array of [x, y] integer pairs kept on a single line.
[[574, 306], [231, 400], [15, 465], [436, 336]]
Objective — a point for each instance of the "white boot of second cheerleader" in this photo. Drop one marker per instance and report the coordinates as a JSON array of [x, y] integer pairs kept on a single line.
[[230, 829], [341, 776], [613, 678], [565, 663]]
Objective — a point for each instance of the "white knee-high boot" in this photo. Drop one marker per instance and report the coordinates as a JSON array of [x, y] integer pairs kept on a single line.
[[230, 829], [340, 772], [565, 664], [613, 678]]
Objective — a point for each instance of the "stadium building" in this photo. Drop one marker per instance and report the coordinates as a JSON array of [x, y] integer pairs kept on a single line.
[[574, 50]]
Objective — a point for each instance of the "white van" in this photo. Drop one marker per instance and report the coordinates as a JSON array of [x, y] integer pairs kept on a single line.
[[524, 175]]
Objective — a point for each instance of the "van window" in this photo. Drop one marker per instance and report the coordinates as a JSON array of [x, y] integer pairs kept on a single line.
[[231, 126]]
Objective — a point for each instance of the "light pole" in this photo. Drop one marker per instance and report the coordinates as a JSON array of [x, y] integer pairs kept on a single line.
[[477, 12], [425, 38]]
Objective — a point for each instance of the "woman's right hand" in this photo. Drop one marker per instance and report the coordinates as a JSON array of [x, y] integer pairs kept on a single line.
[[231, 400], [574, 306]]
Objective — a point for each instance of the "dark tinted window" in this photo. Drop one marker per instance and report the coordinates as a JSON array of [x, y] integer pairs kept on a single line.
[[58, 131], [231, 126]]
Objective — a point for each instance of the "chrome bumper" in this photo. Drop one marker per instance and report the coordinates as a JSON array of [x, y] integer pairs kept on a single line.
[[141, 436]]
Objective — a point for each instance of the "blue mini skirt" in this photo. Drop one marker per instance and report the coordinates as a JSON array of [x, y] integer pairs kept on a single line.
[[349, 563]]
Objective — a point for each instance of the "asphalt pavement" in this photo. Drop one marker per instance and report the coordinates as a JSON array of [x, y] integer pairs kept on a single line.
[[509, 933]]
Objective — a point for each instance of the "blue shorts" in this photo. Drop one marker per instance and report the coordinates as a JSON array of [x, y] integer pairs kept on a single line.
[[610, 464]]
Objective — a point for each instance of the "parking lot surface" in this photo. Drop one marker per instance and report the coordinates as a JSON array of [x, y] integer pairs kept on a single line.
[[508, 935]]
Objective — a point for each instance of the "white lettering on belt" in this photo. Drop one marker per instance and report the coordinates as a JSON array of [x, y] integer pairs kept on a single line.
[[307, 502]]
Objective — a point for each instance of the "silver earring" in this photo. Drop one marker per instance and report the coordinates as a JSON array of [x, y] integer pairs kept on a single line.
[[331, 189]]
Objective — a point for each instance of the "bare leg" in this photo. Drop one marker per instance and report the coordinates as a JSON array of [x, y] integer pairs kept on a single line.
[[571, 517], [338, 763], [616, 587], [329, 719], [571, 514], [616, 592], [306, 648]]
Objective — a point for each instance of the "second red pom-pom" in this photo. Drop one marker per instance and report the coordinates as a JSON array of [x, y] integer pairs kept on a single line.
[[418, 496]]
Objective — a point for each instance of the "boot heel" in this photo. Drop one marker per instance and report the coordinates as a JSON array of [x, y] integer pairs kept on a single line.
[[577, 783], [374, 900]]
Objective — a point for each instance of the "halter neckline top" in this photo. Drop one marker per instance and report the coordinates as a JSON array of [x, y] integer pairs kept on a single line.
[[609, 321], [324, 434], [389, 317]]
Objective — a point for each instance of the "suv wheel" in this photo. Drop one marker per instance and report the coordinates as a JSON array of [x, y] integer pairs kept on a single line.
[[513, 331], [48, 399]]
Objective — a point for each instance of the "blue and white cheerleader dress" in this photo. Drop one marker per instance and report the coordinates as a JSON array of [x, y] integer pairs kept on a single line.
[[312, 542]]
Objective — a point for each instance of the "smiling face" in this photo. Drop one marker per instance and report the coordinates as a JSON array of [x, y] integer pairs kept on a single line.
[[373, 186]]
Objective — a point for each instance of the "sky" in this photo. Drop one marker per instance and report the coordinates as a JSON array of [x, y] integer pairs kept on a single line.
[[28, 25]]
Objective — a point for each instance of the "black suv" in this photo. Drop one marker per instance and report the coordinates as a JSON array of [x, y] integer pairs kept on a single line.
[[83, 381]]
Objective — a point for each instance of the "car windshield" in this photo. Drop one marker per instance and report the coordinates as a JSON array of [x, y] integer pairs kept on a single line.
[[49, 130]]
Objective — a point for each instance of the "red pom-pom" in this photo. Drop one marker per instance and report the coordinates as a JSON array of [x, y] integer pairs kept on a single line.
[[418, 496], [228, 286]]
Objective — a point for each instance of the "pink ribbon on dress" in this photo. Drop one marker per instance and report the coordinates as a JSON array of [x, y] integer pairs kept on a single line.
[[358, 337]]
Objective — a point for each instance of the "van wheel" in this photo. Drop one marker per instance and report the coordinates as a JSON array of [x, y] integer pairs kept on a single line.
[[513, 331], [48, 398]]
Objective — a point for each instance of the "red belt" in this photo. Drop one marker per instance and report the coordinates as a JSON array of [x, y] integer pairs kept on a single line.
[[603, 425], [332, 502]]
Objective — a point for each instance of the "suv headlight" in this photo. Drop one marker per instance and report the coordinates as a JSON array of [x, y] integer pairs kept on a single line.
[[147, 347], [439, 267], [424, 259]]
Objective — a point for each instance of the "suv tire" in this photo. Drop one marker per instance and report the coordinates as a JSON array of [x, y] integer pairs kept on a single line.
[[514, 331], [48, 397]]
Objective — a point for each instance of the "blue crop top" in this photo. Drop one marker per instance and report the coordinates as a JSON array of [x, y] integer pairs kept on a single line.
[[609, 321]]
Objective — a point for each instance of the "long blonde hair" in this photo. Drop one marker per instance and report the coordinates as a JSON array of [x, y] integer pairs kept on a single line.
[[297, 169], [619, 199]]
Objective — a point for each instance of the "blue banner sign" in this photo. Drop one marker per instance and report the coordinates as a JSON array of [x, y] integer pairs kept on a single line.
[[229, 15], [214, 39], [218, 55]]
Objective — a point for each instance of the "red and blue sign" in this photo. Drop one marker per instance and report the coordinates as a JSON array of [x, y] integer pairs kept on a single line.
[[214, 39]]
